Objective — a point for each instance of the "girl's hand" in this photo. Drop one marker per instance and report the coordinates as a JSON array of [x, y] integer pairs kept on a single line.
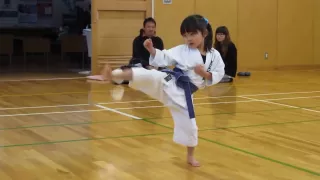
[[199, 69], [149, 46]]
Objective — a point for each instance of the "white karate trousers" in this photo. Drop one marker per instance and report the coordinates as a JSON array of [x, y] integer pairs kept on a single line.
[[153, 83]]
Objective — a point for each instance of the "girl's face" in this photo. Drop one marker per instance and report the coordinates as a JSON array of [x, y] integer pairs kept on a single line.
[[220, 37], [194, 40]]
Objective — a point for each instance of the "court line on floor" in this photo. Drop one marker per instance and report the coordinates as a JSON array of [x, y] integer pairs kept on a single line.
[[152, 100], [226, 102], [143, 101], [41, 79], [81, 140], [55, 112], [246, 152], [86, 92], [209, 97], [124, 102], [280, 104], [48, 79], [37, 107], [151, 118], [262, 157], [116, 110], [167, 133], [65, 124], [167, 127]]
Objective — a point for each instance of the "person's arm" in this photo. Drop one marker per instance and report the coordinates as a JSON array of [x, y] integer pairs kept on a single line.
[[160, 45], [231, 69], [216, 72], [136, 48], [162, 58]]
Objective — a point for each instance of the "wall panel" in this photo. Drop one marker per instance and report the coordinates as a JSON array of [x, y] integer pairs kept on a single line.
[[257, 34], [220, 13], [295, 32], [316, 32], [169, 18]]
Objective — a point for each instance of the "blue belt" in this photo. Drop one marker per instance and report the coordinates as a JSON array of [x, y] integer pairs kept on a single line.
[[185, 83]]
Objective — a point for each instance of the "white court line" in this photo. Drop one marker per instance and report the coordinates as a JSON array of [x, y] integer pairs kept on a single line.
[[270, 94], [217, 97], [37, 107], [119, 112], [41, 79], [103, 108], [226, 102], [280, 104], [45, 113], [142, 101]]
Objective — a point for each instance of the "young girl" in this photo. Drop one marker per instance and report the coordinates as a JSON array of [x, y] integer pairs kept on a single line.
[[197, 65], [228, 51]]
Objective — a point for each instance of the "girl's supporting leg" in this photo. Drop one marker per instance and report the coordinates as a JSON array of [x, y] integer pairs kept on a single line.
[[185, 132]]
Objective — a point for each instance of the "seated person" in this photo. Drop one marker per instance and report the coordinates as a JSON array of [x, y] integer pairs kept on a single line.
[[228, 52], [140, 54]]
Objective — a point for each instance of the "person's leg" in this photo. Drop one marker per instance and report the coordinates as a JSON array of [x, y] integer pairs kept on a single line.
[[108, 74], [149, 82], [185, 132]]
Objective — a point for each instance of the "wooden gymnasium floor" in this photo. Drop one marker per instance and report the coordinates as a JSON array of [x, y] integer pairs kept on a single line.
[[263, 127]]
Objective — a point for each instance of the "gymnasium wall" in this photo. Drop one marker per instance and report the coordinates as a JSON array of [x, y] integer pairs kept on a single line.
[[169, 17], [288, 30], [316, 42]]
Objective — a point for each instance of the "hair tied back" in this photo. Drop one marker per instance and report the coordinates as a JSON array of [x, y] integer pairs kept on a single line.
[[207, 21]]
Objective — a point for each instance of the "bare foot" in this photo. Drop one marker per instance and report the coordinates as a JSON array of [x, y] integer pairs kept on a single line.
[[96, 77], [193, 162], [106, 73]]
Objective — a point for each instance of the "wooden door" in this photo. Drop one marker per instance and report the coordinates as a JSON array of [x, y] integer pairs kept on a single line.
[[115, 23]]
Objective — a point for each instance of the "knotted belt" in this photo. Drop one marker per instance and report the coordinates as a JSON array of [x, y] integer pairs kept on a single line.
[[184, 83]]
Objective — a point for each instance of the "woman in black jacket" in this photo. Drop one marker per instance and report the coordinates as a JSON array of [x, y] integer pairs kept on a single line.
[[228, 52]]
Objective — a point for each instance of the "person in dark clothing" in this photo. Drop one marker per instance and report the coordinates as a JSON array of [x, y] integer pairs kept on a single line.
[[148, 31], [140, 56], [228, 52]]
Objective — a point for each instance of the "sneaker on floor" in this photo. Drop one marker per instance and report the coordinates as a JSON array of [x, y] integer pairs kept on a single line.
[[85, 72], [226, 80]]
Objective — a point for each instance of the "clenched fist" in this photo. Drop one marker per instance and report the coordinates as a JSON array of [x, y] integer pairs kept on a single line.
[[149, 46], [199, 69]]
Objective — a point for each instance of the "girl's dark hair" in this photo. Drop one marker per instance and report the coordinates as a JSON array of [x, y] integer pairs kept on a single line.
[[223, 46], [195, 23], [149, 19]]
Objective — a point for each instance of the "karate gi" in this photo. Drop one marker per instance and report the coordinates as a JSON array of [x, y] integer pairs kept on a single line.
[[163, 85]]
